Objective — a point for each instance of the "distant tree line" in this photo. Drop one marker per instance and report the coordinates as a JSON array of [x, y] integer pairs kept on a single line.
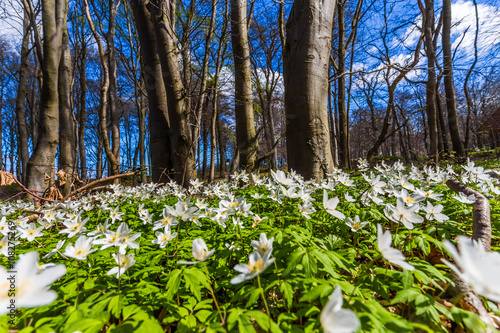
[[199, 88]]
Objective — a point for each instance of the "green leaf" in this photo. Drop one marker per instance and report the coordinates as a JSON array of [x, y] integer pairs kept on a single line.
[[263, 320], [173, 283]]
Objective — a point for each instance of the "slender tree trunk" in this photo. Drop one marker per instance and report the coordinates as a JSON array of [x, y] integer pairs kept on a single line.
[[451, 102], [345, 159], [214, 120], [466, 81], [159, 127], [82, 111], [22, 92], [114, 113], [245, 128], [431, 79], [67, 139], [204, 74], [103, 108], [41, 163], [306, 65]]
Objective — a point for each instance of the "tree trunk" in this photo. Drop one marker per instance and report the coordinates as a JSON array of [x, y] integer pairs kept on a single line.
[[306, 64], [183, 161], [204, 74], [103, 108], [67, 140], [41, 163], [345, 158], [451, 102], [159, 127], [245, 128], [82, 110], [22, 92], [428, 15], [114, 113]]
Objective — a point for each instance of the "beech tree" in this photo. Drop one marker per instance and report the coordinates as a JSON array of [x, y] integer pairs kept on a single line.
[[246, 137], [40, 167], [306, 68]]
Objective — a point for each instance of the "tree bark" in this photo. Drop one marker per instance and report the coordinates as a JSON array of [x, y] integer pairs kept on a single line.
[[82, 108], [22, 92], [344, 151], [159, 127], [306, 67], [428, 23], [67, 139], [183, 160], [40, 167], [114, 112], [103, 108], [451, 102], [245, 128]]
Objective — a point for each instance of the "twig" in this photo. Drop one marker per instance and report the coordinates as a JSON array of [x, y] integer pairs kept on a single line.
[[31, 193]]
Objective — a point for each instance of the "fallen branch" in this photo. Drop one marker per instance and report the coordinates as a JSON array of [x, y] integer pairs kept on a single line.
[[92, 184], [31, 193]]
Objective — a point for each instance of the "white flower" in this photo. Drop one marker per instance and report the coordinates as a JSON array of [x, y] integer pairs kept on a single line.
[[238, 223], [115, 214], [263, 245], [113, 238], [82, 248], [392, 255], [401, 214], [232, 247], [100, 230], [464, 198], [31, 284], [306, 209], [200, 252], [334, 319], [434, 213], [57, 248], [74, 226], [181, 211], [355, 224], [280, 177], [30, 232], [124, 262], [410, 200], [7, 247], [164, 237], [478, 268], [348, 197], [331, 205], [256, 265]]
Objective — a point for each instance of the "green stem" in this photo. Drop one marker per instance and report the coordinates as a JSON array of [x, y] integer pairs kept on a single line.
[[265, 302], [77, 285], [213, 296]]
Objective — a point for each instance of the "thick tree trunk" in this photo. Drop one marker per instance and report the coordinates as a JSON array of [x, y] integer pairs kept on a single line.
[[180, 134], [428, 15], [159, 146], [40, 167], [245, 128], [451, 102], [22, 92], [306, 64], [67, 139]]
